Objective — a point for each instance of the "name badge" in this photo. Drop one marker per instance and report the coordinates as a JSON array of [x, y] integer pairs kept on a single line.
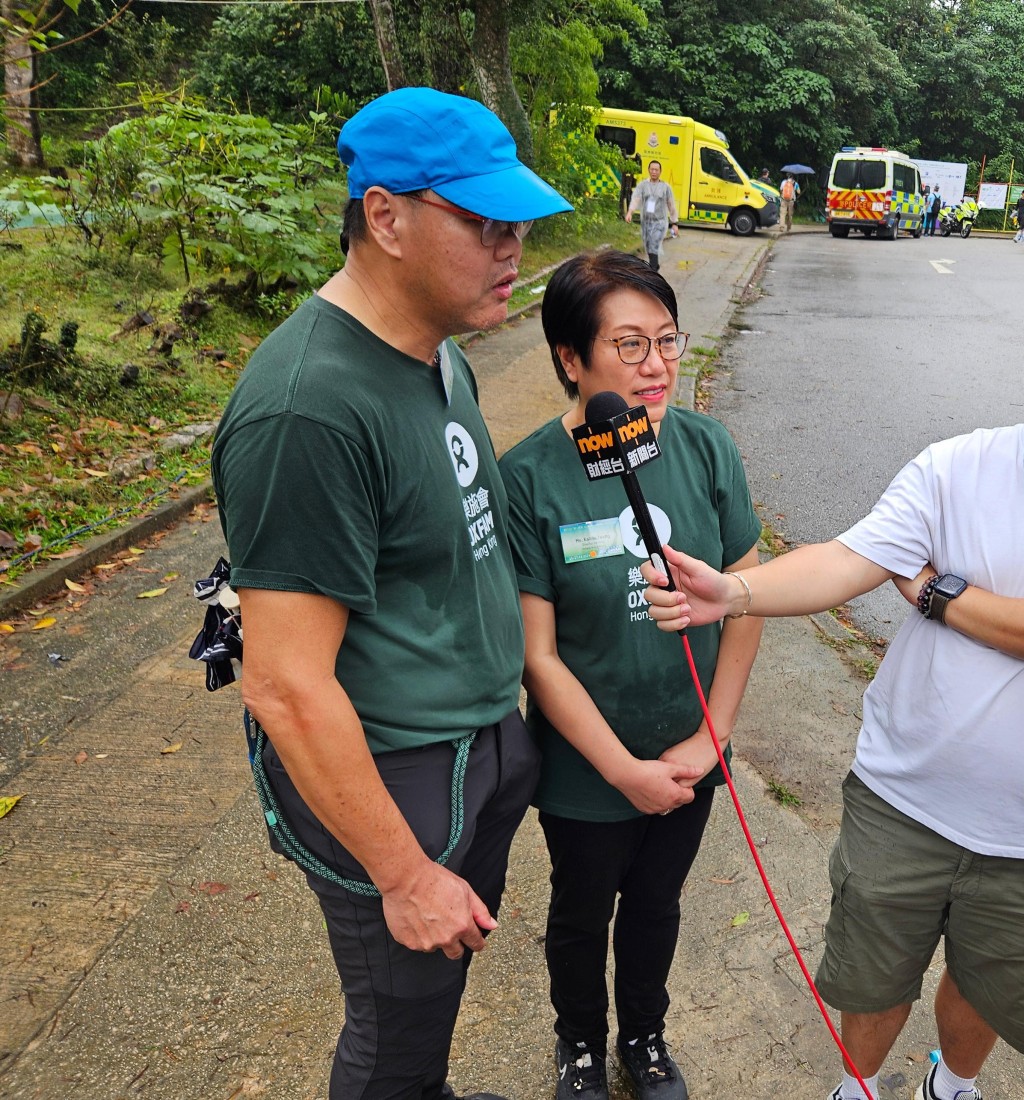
[[651, 206], [593, 538]]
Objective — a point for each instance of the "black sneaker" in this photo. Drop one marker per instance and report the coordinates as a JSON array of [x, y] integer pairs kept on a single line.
[[581, 1074], [651, 1068], [449, 1094]]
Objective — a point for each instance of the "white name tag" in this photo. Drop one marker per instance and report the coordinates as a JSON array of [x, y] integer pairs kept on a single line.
[[651, 206], [593, 538]]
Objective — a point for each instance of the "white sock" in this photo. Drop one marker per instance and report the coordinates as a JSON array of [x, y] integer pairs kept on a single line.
[[853, 1091], [946, 1084]]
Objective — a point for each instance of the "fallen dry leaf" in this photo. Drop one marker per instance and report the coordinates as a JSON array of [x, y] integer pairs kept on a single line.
[[107, 565], [6, 628], [739, 920], [96, 473], [183, 907], [81, 757], [151, 593], [213, 888], [135, 550], [102, 755], [170, 748], [44, 624], [724, 881], [74, 586], [169, 577], [8, 802]]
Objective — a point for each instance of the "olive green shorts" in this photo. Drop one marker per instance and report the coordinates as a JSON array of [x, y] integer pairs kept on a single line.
[[897, 888]]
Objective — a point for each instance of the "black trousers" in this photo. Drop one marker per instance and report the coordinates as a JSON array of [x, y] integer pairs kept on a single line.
[[644, 862], [401, 1005]]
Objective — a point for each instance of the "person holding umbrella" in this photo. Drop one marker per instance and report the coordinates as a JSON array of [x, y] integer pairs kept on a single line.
[[790, 191]]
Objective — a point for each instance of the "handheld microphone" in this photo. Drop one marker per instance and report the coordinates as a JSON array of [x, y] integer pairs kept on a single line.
[[615, 441]]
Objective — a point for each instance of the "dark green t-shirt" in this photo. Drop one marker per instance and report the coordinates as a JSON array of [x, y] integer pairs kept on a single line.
[[636, 674], [341, 468]]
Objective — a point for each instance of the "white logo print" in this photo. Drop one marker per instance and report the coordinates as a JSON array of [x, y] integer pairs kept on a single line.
[[462, 451], [631, 539]]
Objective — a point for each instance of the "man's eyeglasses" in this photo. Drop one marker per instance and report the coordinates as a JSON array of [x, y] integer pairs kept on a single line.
[[633, 350], [491, 230]]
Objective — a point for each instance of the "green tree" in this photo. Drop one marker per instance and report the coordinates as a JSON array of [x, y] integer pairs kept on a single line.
[[271, 60]]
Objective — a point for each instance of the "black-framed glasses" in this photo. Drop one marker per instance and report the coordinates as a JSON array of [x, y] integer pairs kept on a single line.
[[491, 230], [633, 350]]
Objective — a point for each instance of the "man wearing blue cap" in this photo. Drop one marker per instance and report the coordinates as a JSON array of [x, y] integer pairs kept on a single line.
[[366, 524]]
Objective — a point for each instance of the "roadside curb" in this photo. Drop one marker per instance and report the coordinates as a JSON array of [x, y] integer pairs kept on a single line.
[[44, 580]]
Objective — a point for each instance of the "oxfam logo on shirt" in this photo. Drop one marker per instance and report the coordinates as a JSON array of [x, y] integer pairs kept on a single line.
[[630, 529], [462, 451]]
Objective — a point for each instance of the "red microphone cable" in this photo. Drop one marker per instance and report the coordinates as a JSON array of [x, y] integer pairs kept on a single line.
[[761, 871]]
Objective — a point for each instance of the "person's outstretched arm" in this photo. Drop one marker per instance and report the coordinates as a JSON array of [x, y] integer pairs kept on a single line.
[[811, 578]]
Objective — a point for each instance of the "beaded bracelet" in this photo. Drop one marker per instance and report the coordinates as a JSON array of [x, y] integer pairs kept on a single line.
[[924, 597]]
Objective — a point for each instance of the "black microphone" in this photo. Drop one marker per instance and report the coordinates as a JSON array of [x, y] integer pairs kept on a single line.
[[616, 440]]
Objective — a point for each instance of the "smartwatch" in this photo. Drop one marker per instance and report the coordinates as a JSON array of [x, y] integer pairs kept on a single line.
[[946, 588]]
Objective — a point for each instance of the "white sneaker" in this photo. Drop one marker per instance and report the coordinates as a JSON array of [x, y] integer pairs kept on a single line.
[[926, 1091]]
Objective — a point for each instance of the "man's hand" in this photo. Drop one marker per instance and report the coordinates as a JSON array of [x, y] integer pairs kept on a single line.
[[629, 215], [437, 909]]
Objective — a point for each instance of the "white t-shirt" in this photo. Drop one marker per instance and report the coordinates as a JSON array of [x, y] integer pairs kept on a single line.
[[943, 733]]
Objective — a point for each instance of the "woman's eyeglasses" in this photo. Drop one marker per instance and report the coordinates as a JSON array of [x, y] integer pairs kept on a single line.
[[491, 230], [633, 350]]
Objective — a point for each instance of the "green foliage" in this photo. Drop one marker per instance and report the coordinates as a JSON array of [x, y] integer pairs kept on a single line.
[[270, 60], [207, 192], [99, 68], [554, 57]]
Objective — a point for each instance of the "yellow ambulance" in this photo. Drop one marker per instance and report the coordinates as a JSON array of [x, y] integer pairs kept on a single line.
[[710, 188], [874, 190]]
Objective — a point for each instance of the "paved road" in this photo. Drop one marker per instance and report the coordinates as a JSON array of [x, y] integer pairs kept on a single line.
[[857, 355]]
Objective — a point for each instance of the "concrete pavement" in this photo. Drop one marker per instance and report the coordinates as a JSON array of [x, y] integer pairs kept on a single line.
[[154, 946]]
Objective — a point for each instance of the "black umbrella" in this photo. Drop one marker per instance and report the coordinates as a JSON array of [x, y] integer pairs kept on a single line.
[[798, 169]]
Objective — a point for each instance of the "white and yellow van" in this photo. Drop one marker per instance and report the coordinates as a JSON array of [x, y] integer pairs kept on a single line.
[[710, 188], [874, 190]]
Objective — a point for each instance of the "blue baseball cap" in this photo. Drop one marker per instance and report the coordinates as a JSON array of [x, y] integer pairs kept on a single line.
[[418, 138]]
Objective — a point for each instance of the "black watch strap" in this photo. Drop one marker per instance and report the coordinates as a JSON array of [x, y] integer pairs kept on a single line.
[[946, 589]]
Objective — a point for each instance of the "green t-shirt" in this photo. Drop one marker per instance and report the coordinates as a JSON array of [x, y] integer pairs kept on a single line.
[[341, 468], [636, 674]]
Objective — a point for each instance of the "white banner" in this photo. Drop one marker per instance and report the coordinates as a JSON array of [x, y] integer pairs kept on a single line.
[[992, 196], [948, 177]]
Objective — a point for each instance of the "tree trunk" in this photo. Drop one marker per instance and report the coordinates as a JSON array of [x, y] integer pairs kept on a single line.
[[387, 42], [22, 123], [492, 65]]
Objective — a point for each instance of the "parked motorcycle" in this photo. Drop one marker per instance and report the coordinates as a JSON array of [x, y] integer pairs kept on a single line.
[[959, 218]]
